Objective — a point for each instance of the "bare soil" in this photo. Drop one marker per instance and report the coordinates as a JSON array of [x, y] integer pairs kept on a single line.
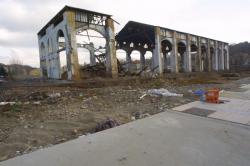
[[51, 112]]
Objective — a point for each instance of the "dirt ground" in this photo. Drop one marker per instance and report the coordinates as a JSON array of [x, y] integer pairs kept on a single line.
[[51, 112]]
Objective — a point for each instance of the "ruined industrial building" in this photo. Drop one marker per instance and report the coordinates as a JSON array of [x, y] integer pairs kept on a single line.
[[134, 95], [172, 51]]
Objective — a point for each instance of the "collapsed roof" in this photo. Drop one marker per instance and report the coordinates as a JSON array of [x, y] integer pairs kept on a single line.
[[135, 32]]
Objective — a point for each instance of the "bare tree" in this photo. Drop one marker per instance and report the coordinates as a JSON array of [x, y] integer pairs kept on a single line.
[[15, 68], [15, 61]]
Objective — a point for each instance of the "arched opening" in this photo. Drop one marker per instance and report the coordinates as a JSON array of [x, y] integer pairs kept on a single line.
[[148, 59], [166, 48], [181, 53], [43, 61], [123, 60], [63, 74], [194, 57], [43, 50], [91, 49], [49, 46], [121, 55], [83, 57], [135, 59], [204, 59]]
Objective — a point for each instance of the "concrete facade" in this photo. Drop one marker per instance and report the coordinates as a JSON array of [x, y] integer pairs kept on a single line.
[[68, 23], [188, 52], [172, 51]]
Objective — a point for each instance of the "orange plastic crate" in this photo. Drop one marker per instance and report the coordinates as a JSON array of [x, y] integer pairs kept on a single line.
[[212, 96]]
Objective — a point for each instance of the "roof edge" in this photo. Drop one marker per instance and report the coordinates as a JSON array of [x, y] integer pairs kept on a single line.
[[131, 21], [69, 8]]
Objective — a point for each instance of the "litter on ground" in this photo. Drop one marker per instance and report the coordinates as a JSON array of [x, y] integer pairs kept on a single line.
[[163, 92]]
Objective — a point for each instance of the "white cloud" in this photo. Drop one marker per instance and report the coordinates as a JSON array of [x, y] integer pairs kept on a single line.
[[25, 55], [17, 39]]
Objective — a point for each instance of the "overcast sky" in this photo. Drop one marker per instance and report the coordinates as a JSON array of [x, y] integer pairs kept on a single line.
[[20, 20]]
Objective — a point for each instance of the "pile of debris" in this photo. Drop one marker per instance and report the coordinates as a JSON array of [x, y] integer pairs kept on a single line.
[[107, 124], [163, 92], [96, 70]]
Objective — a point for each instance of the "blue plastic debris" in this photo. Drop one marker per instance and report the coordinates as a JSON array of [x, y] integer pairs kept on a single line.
[[201, 93]]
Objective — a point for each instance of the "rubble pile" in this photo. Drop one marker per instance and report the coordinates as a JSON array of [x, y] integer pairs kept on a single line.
[[107, 124]]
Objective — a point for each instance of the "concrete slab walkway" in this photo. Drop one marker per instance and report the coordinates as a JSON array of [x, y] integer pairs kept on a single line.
[[235, 109], [169, 138]]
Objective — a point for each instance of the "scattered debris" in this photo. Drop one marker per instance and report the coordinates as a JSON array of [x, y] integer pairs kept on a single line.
[[107, 124], [88, 99], [163, 92], [37, 103], [139, 115], [7, 103], [212, 96], [83, 107], [230, 75], [149, 74], [54, 95], [201, 94], [37, 96], [81, 95], [122, 159], [143, 96]]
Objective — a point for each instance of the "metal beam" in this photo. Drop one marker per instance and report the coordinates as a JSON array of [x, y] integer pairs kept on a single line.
[[91, 36]]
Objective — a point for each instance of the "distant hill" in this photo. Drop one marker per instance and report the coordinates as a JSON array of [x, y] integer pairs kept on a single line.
[[240, 48], [17, 71], [240, 56]]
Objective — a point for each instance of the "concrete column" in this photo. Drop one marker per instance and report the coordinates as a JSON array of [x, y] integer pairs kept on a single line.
[[187, 55], [174, 55], [71, 50], [152, 61], [55, 55], [198, 58], [111, 60], [216, 65], [165, 62], [49, 67], [47, 56], [52, 68], [142, 60], [57, 66], [209, 63], [222, 57], [92, 54], [40, 58], [227, 63], [128, 60], [213, 58], [157, 52]]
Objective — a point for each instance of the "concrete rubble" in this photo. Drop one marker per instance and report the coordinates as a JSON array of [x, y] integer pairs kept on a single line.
[[163, 92]]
